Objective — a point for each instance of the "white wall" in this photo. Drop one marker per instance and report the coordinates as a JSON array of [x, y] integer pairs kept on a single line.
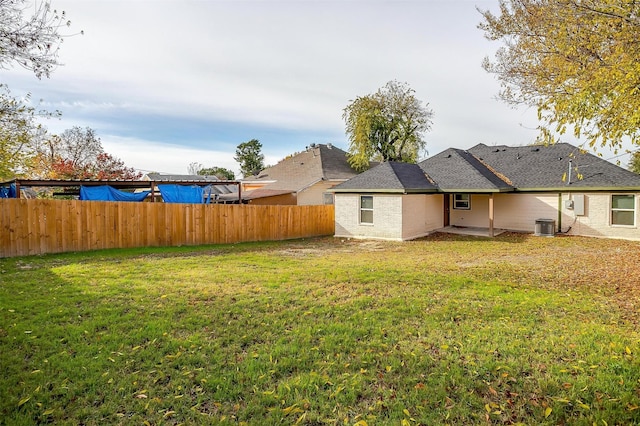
[[477, 216], [519, 212], [422, 214], [395, 216], [597, 219], [403, 217], [314, 193]]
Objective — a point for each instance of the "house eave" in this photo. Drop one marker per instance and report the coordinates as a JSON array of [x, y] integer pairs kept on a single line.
[[476, 190], [569, 188], [384, 191]]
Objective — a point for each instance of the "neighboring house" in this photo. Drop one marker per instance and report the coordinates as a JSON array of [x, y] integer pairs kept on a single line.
[[303, 178], [495, 188]]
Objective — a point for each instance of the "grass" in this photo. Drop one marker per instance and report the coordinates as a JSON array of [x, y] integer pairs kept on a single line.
[[444, 330]]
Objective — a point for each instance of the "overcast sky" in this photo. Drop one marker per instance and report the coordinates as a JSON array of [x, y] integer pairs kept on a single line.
[[169, 82]]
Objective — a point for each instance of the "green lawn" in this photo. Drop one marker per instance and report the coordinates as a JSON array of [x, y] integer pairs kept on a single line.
[[444, 330]]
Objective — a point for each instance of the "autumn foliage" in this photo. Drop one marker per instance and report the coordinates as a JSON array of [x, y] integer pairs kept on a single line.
[[78, 154], [576, 61], [106, 167]]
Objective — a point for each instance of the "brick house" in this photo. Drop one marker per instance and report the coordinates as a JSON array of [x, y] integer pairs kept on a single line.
[[492, 188], [303, 178]]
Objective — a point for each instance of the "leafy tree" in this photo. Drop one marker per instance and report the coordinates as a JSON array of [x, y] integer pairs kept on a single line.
[[219, 172], [17, 123], [576, 61], [388, 124], [19, 131], [68, 155], [105, 167], [112, 168], [63, 168], [250, 157], [30, 41], [78, 154], [634, 162]]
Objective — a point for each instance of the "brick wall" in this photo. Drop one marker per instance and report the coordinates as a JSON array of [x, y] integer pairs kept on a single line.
[[597, 219], [395, 216], [402, 217]]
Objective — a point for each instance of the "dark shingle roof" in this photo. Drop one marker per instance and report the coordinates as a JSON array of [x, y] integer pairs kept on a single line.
[[498, 169], [389, 177], [458, 170], [547, 167], [318, 162]]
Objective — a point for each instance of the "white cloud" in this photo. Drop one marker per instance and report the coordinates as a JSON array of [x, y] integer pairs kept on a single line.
[[292, 64], [276, 70], [153, 156]]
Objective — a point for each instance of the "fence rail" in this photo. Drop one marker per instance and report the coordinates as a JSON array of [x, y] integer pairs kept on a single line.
[[52, 226]]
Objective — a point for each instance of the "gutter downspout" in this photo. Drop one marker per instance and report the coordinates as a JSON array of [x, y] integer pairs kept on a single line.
[[560, 212]]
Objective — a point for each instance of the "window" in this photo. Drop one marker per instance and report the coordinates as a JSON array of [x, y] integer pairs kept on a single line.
[[366, 209], [623, 210], [462, 201]]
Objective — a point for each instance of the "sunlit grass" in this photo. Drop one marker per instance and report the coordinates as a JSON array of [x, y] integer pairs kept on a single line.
[[437, 331]]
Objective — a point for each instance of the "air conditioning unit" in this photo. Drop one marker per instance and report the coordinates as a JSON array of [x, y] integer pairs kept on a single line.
[[545, 228]]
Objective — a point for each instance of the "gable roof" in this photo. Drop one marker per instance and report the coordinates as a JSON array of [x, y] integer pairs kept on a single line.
[[547, 167], [456, 170], [318, 162], [392, 177], [499, 169]]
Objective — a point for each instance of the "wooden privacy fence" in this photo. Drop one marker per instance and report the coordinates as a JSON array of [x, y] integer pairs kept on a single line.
[[53, 226]]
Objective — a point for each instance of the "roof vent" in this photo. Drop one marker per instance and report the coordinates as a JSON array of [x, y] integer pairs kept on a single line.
[[535, 149], [329, 145]]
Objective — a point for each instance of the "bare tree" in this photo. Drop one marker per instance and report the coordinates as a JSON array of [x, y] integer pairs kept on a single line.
[[194, 168], [30, 36]]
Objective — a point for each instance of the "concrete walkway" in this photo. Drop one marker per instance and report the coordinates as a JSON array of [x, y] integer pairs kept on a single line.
[[470, 230]]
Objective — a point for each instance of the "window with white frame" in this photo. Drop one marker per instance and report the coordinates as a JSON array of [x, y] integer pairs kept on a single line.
[[623, 209], [462, 201], [366, 209]]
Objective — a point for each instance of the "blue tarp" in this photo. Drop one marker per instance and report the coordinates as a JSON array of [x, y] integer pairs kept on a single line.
[[185, 194], [9, 192], [108, 193]]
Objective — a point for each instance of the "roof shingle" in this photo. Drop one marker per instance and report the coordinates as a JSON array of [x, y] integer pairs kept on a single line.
[[558, 167], [389, 177], [318, 162], [549, 167], [458, 170]]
